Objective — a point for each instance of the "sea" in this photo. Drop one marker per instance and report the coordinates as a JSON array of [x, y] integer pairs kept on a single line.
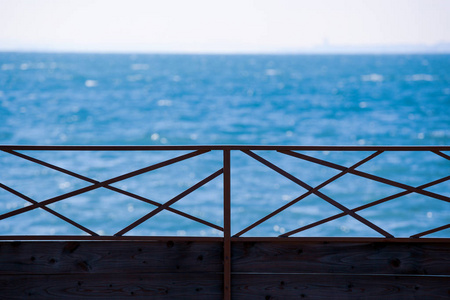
[[199, 99]]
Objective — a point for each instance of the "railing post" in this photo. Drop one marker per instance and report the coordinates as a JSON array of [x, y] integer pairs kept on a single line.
[[226, 226]]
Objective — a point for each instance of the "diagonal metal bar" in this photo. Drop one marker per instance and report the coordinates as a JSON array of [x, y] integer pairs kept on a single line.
[[70, 221], [129, 194], [430, 231], [173, 210], [442, 154], [359, 208], [320, 194], [367, 175], [50, 166], [170, 202], [292, 202], [102, 184]]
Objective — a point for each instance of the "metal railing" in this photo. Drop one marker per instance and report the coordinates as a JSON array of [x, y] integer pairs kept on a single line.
[[296, 152]]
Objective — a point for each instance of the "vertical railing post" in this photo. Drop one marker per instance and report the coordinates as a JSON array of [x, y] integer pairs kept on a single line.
[[226, 226]]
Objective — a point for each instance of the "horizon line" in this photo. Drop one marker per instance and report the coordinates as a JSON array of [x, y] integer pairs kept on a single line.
[[436, 48], [141, 52]]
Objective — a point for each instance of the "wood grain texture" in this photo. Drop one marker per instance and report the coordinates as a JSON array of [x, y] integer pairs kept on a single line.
[[182, 269], [111, 286], [342, 257], [338, 286], [109, 257]]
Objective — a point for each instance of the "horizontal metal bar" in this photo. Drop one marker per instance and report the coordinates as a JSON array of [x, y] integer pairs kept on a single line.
[[220, 147], [220, 239], [108, 238]]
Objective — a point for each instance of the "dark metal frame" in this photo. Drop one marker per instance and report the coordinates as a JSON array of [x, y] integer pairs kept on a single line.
[[225, 171]]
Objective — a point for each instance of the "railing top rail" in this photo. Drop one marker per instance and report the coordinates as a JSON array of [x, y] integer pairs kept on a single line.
[[220, 147], [153, 238]]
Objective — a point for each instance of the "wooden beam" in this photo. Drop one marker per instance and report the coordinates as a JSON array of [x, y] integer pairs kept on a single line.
[[112, 286], [339, 286], [110, 257], [342, 257]]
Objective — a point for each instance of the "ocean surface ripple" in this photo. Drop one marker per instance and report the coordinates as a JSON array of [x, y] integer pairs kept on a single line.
[[137, 99]]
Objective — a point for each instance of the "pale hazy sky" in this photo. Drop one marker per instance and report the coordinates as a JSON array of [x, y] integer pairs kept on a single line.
[[218, 26]]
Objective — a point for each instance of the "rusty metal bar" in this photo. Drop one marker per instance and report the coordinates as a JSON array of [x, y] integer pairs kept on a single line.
[[47, 209], [132, 238], [217, 239], [323, 196], [173, 210], [385, 199], [430, 231], [247, 149], [226, 225], [367, 175], [126, 193], [441, 154], [170, 202], [101, 184], [50, 166], [282, 208], [221, 148]]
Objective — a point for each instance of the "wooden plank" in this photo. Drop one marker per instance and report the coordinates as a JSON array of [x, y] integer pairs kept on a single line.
[[338, 286], [341, 257], [112, 286], [328, 239], [103, 257], [180, 269]]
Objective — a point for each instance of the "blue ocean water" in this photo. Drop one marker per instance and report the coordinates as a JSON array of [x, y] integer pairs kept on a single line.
[[129, 99]]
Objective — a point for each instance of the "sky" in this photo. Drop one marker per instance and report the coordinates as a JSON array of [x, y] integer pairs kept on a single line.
[[216, 26]]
